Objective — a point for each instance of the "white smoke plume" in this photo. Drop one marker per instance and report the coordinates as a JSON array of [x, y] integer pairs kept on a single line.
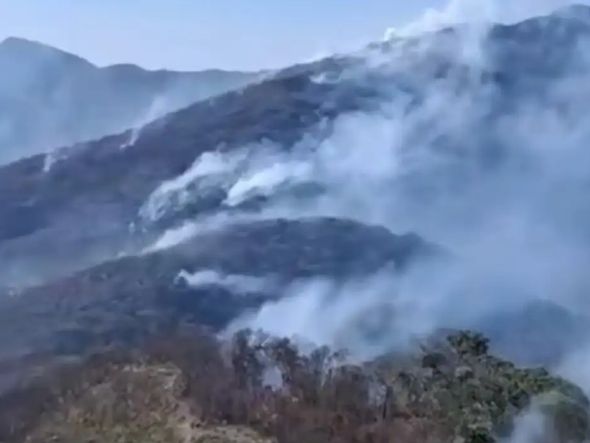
[[477, 12], [240, 284], [500, 185], [364, 316], [531, 427], [209, 169], [158, 108]]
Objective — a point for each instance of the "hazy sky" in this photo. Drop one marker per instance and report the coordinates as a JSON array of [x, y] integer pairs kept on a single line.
[[231, 34]]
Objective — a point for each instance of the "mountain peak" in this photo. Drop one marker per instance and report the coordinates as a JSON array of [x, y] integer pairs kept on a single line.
[[25, 44], [20, 48], [13, 41]]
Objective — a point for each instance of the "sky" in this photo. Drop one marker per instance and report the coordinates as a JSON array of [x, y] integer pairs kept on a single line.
[[227, 34]]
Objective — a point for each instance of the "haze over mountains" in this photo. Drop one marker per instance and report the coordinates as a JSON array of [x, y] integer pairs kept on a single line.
[[50, 98], [360, 202]]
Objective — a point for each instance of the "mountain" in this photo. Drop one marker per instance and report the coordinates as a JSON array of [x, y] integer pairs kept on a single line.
[[50, 98], [368, 202], [291, 145], [208, 281]]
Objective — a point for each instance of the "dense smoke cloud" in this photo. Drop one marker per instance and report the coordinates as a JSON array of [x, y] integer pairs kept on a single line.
[[477, 142], [530, 428], [482, 12], [499, 180]]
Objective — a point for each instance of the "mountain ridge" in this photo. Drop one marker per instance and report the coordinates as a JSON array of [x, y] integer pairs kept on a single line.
[[31, 46], [282, 206], [51, 98]]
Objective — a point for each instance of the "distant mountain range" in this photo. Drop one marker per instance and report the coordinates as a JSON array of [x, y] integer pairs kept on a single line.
[[50, 98]]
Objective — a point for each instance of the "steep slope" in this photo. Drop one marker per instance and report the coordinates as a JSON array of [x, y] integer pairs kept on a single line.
[[50, 98], [91, 193], [476, 141], [208, 281]]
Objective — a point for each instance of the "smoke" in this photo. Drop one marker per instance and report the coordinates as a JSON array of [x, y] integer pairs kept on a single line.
[[240, 284], [265, 181], [364, 316], [573, 367], [253, 171], [53, 157], [210, 170], [159, 107], [478, 13], [179, 234], [497, 178], [531, 427], [478, 143]]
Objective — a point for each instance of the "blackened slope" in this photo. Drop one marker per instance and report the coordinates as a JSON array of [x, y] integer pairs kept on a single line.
[[100, 183], [59, 211], [126, 300]]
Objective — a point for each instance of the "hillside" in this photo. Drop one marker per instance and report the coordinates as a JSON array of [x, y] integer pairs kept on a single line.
[[50, 98], [357, 213]]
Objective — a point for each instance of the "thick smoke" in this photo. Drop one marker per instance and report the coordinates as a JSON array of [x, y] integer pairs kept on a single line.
[[364, 316], [530, 428], [479, 12], [494, 172], [478, 143]]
